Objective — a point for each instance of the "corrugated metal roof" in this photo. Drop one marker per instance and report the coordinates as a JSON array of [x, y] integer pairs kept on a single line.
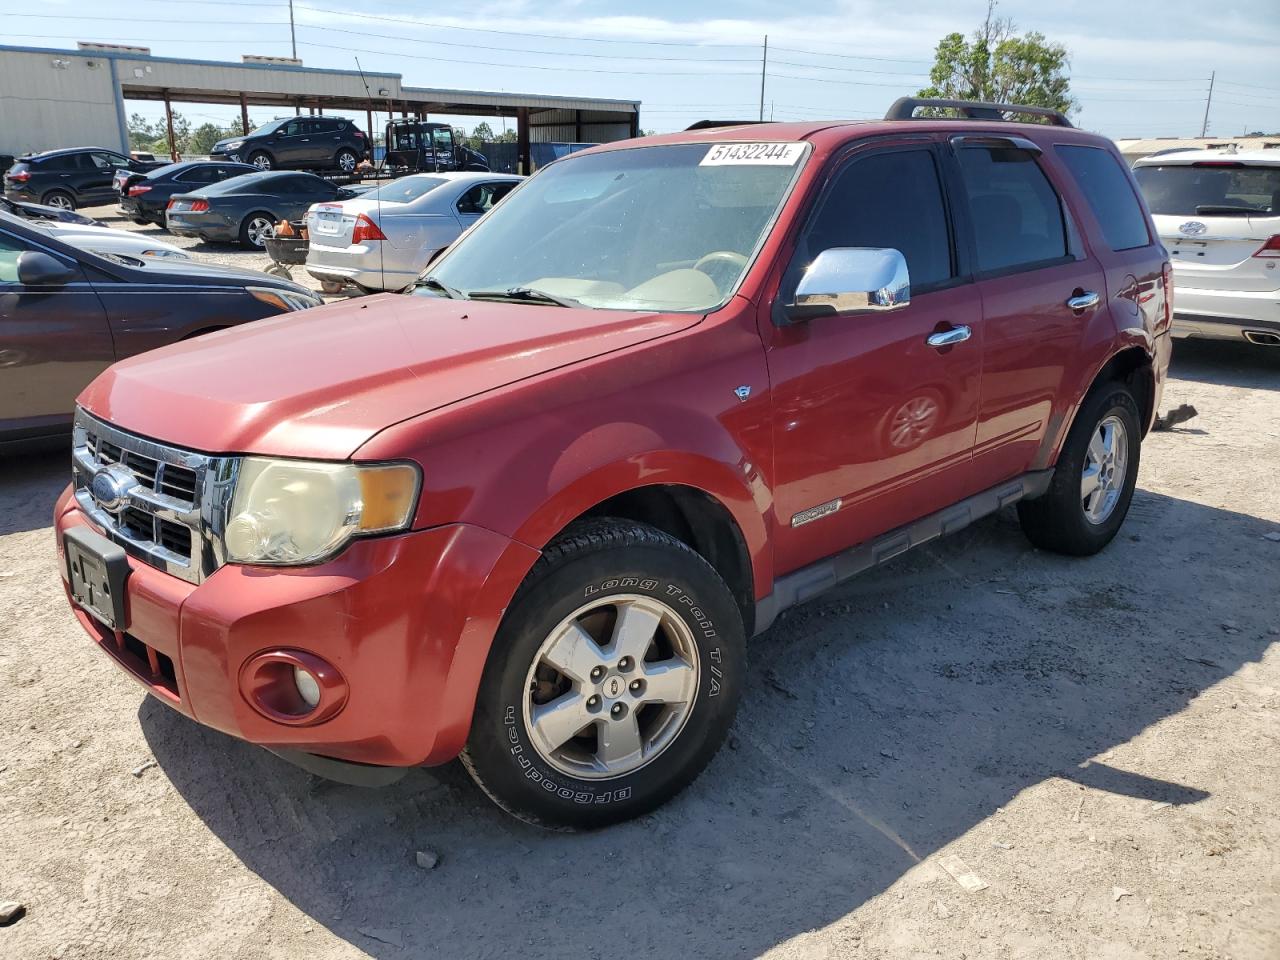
[[508, 99]]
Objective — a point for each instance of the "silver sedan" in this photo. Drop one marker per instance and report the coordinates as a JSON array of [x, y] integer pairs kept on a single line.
[[383, 239]]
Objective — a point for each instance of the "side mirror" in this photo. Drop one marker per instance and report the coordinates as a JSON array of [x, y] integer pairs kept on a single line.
[[36, 269], [845, 280]]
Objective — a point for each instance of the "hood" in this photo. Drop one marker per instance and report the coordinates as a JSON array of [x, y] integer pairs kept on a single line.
[[212, 274], [322, 382]]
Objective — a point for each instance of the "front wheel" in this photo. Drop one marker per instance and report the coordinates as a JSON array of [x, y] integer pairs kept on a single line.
[[612, 681], [1094, 479], [262, 160]]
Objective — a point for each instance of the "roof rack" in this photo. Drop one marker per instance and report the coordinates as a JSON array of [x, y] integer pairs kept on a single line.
[[713, 124], [904, 108]]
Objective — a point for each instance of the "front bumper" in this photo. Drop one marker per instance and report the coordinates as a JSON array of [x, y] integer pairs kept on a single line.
[[407, 620]]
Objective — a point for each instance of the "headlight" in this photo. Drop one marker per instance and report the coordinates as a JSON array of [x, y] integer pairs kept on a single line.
[[233, 145], [298, 512], [285, 300], [171, 254]]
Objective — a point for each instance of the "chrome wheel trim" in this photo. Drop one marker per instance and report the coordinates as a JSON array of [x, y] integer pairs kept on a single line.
[[611, 687], [346, 161], [261, 161], [61, 202], [1105, 467], [914, 421], [260, 230]]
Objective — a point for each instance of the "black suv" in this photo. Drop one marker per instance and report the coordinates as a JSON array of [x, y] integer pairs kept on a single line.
[[70, 178], [297, 143]]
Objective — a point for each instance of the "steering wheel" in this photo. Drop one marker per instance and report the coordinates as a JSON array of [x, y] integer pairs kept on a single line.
[[722, 266]]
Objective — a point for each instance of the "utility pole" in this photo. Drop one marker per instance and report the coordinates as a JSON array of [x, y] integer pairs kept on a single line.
[[293, 38], [1204, 127], [764, 65]]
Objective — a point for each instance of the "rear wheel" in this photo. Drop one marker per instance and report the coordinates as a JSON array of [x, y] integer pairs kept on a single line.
[[262, 160], [59, 199], [256, 229], [1094, 479], [346, 160], [612, 682]]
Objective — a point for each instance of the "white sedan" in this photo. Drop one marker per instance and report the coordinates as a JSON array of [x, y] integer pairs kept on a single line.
[[383, 239]]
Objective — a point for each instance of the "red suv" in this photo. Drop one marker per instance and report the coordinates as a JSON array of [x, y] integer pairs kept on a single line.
[[530, 513]]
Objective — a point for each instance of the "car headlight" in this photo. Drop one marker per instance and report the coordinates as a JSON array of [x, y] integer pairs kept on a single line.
[[233, 145], [171, 254], [285, 300], [293, 512]]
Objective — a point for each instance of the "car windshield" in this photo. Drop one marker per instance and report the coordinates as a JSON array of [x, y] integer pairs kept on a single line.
[[1218, 188], [670, 228], [265, 128], [404, 189]]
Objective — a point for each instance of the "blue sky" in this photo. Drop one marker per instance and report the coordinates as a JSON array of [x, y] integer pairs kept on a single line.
[[1138, 68]]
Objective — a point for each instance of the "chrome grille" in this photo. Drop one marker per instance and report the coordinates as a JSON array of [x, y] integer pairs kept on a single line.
[[153, 496]]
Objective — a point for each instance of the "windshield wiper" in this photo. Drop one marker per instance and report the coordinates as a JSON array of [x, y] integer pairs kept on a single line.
[[433, 284], [525, 294]]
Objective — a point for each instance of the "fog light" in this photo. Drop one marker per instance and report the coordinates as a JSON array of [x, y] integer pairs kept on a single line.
[[308, 687]]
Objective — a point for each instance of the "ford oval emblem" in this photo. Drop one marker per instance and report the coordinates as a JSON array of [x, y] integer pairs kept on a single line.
[[110, 488], [1192, 228]]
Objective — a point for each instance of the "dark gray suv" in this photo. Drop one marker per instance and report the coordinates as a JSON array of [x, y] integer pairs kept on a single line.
[[298, 143]]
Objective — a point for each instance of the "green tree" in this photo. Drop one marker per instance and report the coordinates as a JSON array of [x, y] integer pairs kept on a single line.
[[142, 133], [997, 64], [237, 128], [480, 134], [204, 137]]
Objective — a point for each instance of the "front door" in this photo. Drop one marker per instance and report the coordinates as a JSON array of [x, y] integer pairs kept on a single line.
[[53, 341], [873, 427], [98, 184]]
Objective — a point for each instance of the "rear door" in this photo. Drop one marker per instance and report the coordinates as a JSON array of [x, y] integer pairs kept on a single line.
[[53, 341], [1041, 291]]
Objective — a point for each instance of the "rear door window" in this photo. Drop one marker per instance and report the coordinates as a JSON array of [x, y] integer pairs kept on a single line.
[[1220, 188], [198, 175], [891, 199], [1106, 188], [1017, 217]]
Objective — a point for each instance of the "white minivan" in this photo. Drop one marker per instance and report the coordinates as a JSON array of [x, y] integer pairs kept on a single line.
[[1218, 214]]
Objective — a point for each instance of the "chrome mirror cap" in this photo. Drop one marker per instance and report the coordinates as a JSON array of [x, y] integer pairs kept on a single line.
[[852, 280]]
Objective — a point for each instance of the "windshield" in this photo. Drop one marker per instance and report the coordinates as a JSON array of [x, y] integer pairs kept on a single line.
[[404, 189], [669, 228], [265, 128], [1217, 189]]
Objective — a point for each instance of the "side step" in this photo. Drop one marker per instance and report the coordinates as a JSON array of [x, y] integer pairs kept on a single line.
[[808, 582]]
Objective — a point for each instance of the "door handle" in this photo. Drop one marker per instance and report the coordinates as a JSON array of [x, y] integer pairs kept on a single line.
[[1083, 301], [947, 338]]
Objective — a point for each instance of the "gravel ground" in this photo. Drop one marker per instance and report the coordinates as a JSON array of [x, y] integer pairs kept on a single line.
[[1094, 740]]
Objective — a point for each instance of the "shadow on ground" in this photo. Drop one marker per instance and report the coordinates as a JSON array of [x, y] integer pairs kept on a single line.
[[881, 722], [30, 484], [1226, 362]]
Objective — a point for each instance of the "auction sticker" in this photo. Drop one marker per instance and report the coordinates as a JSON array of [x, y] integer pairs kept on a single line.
[[771, 154]]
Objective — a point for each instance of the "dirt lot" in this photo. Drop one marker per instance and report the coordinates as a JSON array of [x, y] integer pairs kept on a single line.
[[1097, 740]]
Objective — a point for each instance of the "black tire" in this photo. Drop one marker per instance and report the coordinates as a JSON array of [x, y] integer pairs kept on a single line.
[[1058, 520], [346, 160], [592, 562], [248, 229], [262, 160], [60, 199]]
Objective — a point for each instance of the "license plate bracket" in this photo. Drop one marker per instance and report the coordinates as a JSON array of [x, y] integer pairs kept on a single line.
[[97, 571]]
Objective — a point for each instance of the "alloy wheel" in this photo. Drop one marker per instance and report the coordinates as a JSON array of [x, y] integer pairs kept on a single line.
[[260, 230], [611, 687], [61, 202], [1105, 466]]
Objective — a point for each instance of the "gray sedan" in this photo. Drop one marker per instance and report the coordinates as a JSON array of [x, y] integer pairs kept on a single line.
[[383, 239]]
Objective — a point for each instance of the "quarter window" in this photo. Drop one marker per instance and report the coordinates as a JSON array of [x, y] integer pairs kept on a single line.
[[1017, 216], [10, 249], [1106, 188], [889, 200]]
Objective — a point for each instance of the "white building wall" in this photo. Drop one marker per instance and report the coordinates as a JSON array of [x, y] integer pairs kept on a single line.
[[52, 100]]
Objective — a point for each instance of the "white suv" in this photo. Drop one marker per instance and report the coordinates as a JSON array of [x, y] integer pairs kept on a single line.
[[1219, 215]]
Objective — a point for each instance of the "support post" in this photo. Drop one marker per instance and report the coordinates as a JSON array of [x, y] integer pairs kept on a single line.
[[764, 66], [524, 164], [635, 124], [577, 126], [244, 114], [168, 122], [1204, 127]]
